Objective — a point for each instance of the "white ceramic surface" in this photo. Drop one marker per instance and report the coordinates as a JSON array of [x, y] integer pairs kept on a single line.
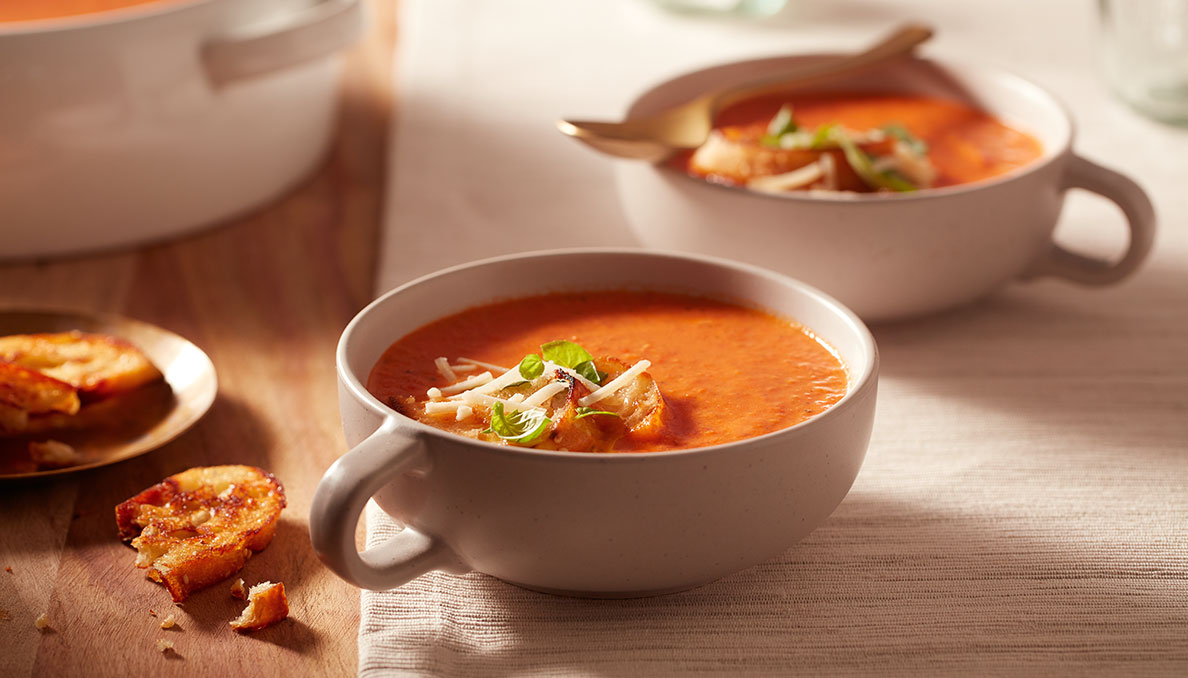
[[143, 123], [893, 256], [580, 523]]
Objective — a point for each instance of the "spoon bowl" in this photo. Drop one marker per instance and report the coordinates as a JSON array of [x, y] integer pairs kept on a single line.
[[188, 391], [655, 138]]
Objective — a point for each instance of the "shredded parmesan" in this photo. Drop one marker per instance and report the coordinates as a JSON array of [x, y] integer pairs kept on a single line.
[[464, 412], [515, 398], [797, 178], [466, 385], [828, 172], [542, 396], [616, 383], [489, 366], [506, 379], [472, 398], [443, 366], [434, 393], [463, 368], [443, 406]]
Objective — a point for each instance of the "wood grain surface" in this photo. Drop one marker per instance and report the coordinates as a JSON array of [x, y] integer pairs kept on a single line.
[[266, 296]]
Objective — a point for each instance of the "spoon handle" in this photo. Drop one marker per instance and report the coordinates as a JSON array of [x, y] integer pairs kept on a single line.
[[901, 41]]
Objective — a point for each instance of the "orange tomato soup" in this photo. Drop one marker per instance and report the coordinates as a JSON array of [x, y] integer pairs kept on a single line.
[[29, 10], [963, 144], [725, 372]]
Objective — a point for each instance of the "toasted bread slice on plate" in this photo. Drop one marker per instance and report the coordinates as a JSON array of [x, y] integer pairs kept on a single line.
[[200, 526], [98, 365], [26, 389]]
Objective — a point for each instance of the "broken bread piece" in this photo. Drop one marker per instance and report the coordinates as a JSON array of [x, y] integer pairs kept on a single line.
[[97, 365], [200, 526], [267, 605]]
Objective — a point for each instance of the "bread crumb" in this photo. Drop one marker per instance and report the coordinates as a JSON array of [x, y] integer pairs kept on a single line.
[[152, 613], [169, 622], [238, 592], [164, 645], [4, 616], [42, 623], [8, 569], [53, 454], [267, 605]]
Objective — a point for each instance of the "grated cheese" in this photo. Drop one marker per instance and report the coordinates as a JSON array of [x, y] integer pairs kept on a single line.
[[466, 385], [616, 383], [797, 178], [463, 368], [464, 412], [489, 366], [434, 393], [506, 379], [544, 393], [443, 366], [443, 406]]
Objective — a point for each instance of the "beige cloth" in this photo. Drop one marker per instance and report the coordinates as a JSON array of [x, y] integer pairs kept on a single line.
[[1023, 509]]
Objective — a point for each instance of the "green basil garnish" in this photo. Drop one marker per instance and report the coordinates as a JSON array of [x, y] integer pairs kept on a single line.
[[523, 427], [863, 168], [822, 137], [531, 367], [587, 370], [588, 411], [901, 133], [565, 353]]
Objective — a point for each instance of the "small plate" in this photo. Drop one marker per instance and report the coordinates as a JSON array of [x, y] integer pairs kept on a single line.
[[189, 377]]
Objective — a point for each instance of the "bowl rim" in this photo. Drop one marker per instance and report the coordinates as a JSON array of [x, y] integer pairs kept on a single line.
[[863, 377], [1027, 88], [99, 19]]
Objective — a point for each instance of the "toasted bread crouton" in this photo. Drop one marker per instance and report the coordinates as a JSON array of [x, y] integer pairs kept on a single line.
[[28, 390], [200, 526], [267, 605], [95, 364]]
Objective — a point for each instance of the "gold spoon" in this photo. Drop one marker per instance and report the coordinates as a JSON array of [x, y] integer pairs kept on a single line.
[[173, 406], [688, 125]]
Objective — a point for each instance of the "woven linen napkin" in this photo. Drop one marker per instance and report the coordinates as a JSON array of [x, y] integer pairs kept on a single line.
[[1023, 508]]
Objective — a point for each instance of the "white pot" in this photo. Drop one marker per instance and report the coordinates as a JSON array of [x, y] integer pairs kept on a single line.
[[140, 124]]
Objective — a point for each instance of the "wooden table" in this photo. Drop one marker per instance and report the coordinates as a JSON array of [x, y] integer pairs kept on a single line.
[[266, 296]]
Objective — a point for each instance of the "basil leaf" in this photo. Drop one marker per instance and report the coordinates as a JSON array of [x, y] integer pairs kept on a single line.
[[588, 411], [586, 369], [565, 353], [860, 162], [519, 426], [901, 133], [531, 366], [822, 137], [782, 123]]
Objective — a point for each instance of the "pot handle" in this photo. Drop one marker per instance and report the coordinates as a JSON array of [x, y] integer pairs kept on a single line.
[[1140, 218], [317, 31], [340, 498]]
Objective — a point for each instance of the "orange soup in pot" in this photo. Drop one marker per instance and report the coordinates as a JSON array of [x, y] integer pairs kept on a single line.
[[610, 371], [857, 142], [30, 10]]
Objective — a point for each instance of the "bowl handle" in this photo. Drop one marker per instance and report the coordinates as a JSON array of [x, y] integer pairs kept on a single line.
[[1140, 218], [318, 31], [340, 498]]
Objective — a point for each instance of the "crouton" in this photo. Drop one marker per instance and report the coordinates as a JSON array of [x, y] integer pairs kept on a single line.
[[200, 526], [267, 605]]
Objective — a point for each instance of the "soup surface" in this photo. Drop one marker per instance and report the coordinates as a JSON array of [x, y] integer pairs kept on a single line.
[[29, 10], [712, 372], [857, 142]]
